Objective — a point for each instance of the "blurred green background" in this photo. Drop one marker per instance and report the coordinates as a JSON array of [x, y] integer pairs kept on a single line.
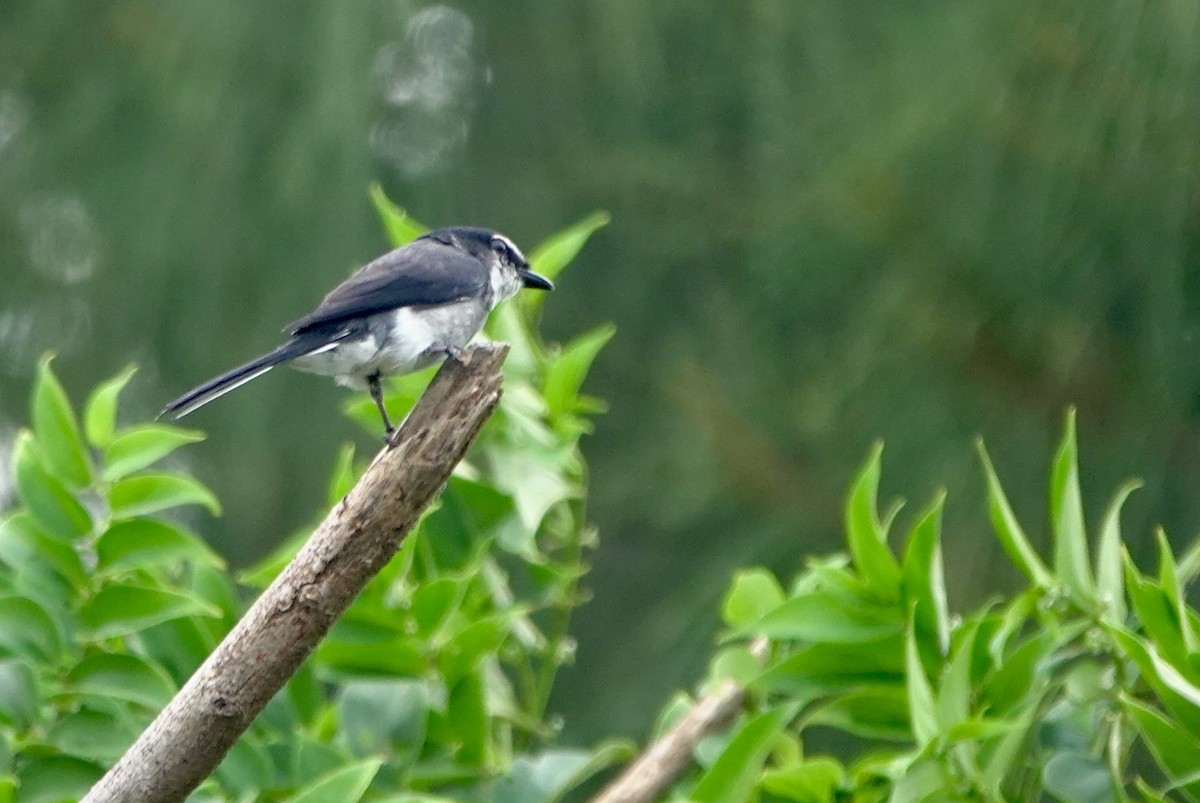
[[833, 221]]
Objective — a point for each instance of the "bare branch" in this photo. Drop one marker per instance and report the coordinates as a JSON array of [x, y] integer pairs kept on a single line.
[[359, 536], [665, 760]]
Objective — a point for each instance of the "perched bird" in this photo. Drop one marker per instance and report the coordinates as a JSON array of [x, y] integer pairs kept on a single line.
[[402, 312]]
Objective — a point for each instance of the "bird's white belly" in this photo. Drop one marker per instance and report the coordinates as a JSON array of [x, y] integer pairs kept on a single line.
[[397, 342]]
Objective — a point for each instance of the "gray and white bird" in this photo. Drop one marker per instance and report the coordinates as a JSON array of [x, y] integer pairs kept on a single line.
[[402, 312]]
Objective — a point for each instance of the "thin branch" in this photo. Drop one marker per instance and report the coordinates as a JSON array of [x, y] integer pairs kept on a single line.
[[665, 760], [357, 538]]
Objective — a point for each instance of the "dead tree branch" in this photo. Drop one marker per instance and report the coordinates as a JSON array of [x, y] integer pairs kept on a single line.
[[358, 537]]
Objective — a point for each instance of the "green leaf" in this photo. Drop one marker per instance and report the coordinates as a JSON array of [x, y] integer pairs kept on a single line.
[[954, 693], [1071, 562], [547, 776], [54, 779], [246, 768], [57, 430], [566, 370], [1155, 611], [824, 668], [1168, 580], [554, 254], [1175, 749], [735, 773], [999, 761], [1078, 778], [822, 617], [150, 493], [385, 715], [119, 609], [754, 593], [811, 781], [29, 549], [1178, 695], [1110, 571], [122, 676], [401, 229], [18, 693], [148, 543], [139, 447], [871, 712], [924, 577], [921, 710], [469, 719], [27, 630], [866, 536], [344, 475], [92, 734], [345, 785], [46, 498], [397, 656], [100, 413], [1008, 529]]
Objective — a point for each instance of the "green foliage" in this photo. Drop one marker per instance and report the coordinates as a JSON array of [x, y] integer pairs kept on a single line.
[[434, 685], [1084, 686]]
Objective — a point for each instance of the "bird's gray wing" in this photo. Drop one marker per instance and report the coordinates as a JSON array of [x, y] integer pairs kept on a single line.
[[426, 271]]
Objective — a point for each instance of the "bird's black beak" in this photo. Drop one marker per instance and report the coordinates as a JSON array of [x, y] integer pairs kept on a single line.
[[531, 279]]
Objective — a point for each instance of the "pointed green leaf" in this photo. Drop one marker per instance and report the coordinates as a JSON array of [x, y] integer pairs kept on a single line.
[[345, 785], [118, 610], [1110, 571], [566, 371], [1071, 561], [57, 430], [100, 413], [1008, 529], [47, 499], [401, 229], [27, 547], [954, 693], [554, 254], [1179, 696], [150, 493], [998, 763], [924, 580], [1168, 580], [344, 475], [1155, 612], [122, 676], [921, 710], [822, 617], [753, 594], [865, 534], [137, 448], [52, 779], [735, 773], [26, 629], [146, 543], [92, 734], [18, 693], [812, 781], [1175, 749]]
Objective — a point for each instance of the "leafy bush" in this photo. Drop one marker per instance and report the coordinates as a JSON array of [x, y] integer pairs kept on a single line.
[[434, 684], [1084, 686]]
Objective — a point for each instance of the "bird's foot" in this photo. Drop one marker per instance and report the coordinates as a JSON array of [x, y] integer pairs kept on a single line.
[[454, 353]]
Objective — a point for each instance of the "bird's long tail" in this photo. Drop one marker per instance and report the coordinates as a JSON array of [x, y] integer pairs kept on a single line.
[[201, 395]]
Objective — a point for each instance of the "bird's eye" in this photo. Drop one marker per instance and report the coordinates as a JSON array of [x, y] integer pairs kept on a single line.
[[501, 249]]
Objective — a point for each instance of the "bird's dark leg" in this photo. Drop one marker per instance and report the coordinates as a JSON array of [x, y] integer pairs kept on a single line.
[[376, 388]]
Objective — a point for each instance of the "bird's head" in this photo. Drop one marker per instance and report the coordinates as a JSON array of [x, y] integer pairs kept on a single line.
[[509, 267]]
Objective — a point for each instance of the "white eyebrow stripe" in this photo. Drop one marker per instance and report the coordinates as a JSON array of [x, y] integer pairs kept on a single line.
[[510, 245]]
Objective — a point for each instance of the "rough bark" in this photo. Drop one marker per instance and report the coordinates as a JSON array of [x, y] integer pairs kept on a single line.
[[357, 538]]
